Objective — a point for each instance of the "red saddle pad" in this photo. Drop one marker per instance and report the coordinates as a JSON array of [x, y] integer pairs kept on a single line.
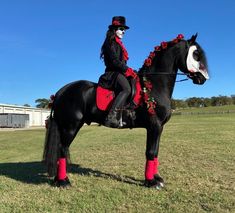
[[104, 98]]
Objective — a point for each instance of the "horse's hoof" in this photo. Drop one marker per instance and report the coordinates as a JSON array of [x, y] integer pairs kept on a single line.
[[62, 183], [158, 178], [154, 184]]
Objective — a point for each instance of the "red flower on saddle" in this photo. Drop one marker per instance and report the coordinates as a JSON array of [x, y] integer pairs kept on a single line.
[[180, 36], [148, 62], [151, 111], [148, 85], [146, 96], [150, 101], [164, 45], [151, 105]]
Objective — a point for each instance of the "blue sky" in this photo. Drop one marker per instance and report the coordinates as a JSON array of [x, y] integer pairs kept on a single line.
[[48, 43]]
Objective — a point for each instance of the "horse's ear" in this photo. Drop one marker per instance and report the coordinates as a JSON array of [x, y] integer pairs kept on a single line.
[[193, 38]]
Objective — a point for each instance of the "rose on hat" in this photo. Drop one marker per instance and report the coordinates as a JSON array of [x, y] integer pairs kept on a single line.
[[118, 21]]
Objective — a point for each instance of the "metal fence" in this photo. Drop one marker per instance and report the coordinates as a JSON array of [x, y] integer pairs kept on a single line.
[[13, 120]]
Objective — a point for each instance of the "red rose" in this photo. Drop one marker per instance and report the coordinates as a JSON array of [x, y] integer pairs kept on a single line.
[[151, 111], [116, 23], [175, 40], [148, 85], [146, 97], [152, 104], [148, 62], [151, 55], [180, 36], [157, 48], [164, 45]]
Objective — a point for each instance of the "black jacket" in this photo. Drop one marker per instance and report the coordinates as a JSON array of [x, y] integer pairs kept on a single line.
[[114, 62]]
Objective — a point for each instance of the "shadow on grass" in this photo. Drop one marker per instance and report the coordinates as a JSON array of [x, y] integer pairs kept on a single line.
[[35, 173], [26, 172], [77, 169]]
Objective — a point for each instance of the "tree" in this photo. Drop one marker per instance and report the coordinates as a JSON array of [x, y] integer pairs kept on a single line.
[[42, 103], [26, 105], [176, 103], [221, 100], [233, 98], [207, 102], [193, 102]]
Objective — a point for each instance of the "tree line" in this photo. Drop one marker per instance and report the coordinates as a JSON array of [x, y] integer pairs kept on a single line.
[[175, 103], [203, 102]]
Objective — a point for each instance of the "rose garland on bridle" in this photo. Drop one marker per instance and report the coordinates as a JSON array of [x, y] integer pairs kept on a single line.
[[147, 87]]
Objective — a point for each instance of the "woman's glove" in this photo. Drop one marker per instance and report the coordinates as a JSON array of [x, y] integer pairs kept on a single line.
[[130, 73]]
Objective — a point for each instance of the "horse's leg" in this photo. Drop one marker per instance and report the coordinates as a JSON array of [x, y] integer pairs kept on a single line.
[[152, 178], [67, 135]]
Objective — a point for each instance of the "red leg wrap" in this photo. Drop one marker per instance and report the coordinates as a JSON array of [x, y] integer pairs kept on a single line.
[[61, 172], [156, 164], [149, 175]]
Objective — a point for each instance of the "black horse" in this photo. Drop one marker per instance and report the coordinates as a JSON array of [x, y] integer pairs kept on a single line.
[[75, 104]]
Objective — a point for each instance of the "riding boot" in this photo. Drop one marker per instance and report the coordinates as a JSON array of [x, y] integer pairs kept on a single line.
[[112, 119]]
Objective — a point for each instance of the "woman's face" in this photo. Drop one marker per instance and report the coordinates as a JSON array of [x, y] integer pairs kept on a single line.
[[120, 32]]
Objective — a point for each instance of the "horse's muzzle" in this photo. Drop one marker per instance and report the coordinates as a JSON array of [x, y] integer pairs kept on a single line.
[[197, 78]]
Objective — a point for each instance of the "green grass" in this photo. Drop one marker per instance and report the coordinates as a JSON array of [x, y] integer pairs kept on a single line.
[[197, 155]]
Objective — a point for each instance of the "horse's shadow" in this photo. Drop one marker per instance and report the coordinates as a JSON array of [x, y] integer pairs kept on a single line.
[[26, 172], [35, 173]]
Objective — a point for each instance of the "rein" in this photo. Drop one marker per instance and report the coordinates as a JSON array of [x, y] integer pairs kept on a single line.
[[164, 73]]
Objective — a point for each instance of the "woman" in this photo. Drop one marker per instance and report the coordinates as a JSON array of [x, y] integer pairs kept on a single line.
[[115, 58]]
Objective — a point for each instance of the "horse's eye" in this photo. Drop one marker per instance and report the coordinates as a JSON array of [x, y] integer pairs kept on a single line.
[[196, 55]]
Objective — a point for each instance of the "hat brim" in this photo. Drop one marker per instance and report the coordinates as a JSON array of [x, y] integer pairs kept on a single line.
[[116, 26]]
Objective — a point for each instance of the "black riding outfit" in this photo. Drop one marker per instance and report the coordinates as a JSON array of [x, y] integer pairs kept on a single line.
[[114, 76]]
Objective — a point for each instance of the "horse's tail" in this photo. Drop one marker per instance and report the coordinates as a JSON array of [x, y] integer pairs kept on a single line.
[[52, 146]]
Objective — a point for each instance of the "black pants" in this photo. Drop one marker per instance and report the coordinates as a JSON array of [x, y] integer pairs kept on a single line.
[[124, 89]]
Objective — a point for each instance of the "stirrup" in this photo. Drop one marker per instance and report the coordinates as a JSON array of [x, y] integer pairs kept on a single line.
[[121, 122]]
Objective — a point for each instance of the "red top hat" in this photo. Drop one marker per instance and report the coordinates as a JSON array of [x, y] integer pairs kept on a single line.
[[118, 21]]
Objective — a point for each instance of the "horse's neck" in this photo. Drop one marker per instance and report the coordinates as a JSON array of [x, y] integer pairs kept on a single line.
[[164, 79], [163, 85]]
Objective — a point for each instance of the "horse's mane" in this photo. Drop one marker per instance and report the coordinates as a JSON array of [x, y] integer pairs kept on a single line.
[[166, 45], [158, 49]]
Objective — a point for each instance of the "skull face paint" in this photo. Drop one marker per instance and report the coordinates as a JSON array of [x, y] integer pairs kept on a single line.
[[120, 32], [193, 62]]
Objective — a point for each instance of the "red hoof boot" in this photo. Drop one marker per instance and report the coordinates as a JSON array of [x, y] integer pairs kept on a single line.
[[62, 183]]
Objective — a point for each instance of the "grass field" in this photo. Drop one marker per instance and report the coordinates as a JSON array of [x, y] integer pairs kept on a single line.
[[197, 154]]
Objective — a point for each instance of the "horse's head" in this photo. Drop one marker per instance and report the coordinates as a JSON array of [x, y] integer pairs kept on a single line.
[[194, 62], [186, 55]]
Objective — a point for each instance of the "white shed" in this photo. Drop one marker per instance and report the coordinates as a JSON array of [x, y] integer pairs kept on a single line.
[[37, 116]]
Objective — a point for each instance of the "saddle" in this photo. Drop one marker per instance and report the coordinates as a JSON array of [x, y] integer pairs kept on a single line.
[[105, 97]]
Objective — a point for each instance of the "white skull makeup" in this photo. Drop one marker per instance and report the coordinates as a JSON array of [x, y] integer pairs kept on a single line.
[[193, 62], [120, 32]]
